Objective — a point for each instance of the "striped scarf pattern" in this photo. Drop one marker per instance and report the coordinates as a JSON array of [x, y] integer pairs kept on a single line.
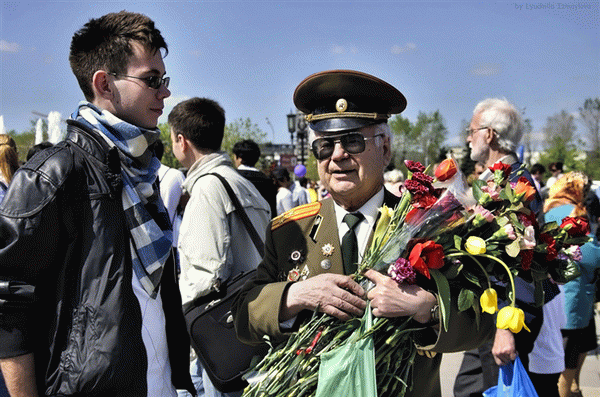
[[145, 213]]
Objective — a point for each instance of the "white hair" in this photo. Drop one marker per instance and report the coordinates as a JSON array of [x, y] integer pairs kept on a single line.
[[504, 118]]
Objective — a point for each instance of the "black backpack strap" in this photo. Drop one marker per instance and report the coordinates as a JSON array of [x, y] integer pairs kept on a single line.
[[258, 243]]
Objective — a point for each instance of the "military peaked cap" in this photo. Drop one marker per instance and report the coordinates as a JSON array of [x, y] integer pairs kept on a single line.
[[342, 100]]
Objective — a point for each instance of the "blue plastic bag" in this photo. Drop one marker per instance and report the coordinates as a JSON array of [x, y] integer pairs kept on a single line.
[[513, 381]]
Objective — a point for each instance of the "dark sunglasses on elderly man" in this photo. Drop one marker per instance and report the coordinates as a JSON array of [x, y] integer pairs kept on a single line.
[[151, 81], [353, 143]]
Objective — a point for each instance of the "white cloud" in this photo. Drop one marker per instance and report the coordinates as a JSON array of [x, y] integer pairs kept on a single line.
[[5, 46], [338, 49], [488, 69], [408, 47], [170, 103]]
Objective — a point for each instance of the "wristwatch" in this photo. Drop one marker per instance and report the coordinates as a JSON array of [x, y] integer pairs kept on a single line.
[[435, 315]]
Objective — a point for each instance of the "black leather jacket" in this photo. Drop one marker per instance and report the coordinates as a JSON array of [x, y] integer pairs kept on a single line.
[[62, 230]]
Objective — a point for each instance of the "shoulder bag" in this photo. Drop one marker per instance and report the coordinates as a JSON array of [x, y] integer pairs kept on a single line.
[[211, 326]]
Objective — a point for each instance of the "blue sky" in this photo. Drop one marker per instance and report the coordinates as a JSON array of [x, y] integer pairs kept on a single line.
[[250, 55]]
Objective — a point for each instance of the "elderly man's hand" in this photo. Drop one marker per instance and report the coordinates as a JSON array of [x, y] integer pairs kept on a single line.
[[504, 349], [390, 299], [334, 294]]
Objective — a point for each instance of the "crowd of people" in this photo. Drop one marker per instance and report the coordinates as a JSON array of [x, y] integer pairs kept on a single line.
[[103, 248]]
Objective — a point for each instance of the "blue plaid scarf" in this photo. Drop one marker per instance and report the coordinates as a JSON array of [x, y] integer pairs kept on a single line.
[[145, 212]]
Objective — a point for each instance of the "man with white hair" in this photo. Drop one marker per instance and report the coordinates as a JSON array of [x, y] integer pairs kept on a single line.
[[493, 134]]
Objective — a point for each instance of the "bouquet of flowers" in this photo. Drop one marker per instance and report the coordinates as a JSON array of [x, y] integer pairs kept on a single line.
[[474, 240]]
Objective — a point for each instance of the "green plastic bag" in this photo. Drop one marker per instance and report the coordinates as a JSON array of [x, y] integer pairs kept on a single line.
[[349, 370]]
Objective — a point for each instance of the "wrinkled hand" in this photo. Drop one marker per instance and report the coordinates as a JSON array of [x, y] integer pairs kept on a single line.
[[504, 349], [390, 299], [334, 294]]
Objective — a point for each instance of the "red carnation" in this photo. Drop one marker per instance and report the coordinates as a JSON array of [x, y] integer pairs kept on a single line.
[[423, 179], [551, 252], [423, 200], [414, 166], [425, 256], [505, 168], [415, 187], [526, 259], [527, 219], [578, 226]]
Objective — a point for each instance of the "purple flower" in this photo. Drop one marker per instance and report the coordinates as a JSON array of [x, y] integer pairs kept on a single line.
[[402, 271]]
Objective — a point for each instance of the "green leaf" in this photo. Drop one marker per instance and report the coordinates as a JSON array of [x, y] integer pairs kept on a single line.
[[465, 299], [471, 277], [444, 293], [453, 271], [477, 193], [513, 249], [538, 293], [457, 242]]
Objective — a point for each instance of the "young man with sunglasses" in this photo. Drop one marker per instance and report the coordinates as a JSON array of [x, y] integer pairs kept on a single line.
[[85, 234], [312, 250]]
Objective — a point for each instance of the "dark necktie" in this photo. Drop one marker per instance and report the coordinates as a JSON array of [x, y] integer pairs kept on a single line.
[[350, 243]]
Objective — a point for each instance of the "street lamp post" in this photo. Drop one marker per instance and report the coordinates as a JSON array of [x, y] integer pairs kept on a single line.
[[297, 124]]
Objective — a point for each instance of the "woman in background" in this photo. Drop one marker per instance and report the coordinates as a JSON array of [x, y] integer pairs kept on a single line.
[[9, 162], [566, 199]]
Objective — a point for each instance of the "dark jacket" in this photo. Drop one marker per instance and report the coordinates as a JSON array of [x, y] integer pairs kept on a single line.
[[265, 187], [63, 231]]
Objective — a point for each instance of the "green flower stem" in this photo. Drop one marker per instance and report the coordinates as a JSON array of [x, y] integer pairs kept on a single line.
[[465, 253], [510, 276]]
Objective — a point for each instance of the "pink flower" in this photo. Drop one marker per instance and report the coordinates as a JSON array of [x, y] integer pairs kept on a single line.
[[402, 271], [510, 231], [485, 214], [492, 190]]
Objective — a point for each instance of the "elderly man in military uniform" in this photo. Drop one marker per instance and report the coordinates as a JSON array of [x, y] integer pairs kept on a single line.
[[312, 250]]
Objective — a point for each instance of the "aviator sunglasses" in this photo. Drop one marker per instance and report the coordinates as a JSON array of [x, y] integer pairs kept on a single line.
[[353, 143], [151, 81]]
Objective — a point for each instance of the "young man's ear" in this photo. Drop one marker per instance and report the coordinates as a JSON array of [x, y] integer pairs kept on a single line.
[[101, 85]]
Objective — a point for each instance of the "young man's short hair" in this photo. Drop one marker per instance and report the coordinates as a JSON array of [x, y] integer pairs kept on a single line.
[[537, 168], [248, 151], [105, 43], [201, 121]]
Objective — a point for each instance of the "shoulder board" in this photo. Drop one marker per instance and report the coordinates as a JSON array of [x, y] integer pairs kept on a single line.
[[296, 213]]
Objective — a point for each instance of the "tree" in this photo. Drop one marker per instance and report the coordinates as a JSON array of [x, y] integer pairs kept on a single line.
[[404, 138], [431, 133], [239, 130], [168, 158], [559, 142], [590, 116], [559, 130]]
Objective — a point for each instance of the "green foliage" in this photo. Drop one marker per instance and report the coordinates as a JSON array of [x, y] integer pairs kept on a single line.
[[24, 142], [421, 141], [168, 158], [239, 130]]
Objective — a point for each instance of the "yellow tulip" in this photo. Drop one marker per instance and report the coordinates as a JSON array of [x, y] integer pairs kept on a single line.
[[489, 301], [511, 318], [475, 245], [382, 223]]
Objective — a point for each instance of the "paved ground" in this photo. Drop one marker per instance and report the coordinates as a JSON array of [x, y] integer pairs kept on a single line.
[[590, 374]]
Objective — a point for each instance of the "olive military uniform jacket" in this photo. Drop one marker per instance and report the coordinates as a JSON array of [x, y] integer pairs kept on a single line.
[[304, 242]]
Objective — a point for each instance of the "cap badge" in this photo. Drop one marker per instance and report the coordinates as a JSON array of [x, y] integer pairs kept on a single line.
[[341, 105], [327, 249]]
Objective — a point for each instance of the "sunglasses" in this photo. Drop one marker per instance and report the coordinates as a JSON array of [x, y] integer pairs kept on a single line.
[[151, 81], [353, 143]]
